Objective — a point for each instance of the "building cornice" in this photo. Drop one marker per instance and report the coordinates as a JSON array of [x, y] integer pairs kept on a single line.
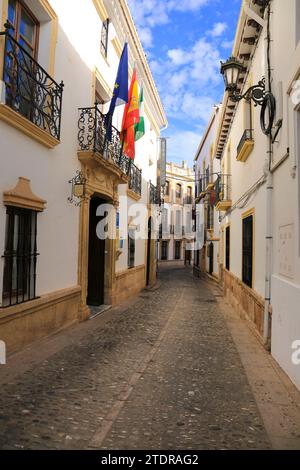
[[243, 50], [207, 131]]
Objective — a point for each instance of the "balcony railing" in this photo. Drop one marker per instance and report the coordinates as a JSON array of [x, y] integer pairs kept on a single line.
[[29, 89], [223, 188], [135, 178], [92, 137], [248, 135], [205, 180], [153, 196], [245, 146]]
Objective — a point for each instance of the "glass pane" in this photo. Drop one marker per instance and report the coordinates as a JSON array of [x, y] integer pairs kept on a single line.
[[26, 47], [27, 27], [12, 11]]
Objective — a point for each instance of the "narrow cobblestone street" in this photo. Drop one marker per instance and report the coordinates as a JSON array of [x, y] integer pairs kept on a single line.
[[162, 373]]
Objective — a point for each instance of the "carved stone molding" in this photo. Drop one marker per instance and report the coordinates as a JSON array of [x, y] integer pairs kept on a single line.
[[22, 196]]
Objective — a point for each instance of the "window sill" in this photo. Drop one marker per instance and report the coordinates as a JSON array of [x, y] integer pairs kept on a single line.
[[133, 195], [245, 151], [27, 127]]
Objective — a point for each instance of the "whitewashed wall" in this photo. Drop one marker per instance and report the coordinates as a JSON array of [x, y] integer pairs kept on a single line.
[[77, 55]]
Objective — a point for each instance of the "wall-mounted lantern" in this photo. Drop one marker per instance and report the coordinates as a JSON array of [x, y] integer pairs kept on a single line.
[[231, 70], [78, 183]]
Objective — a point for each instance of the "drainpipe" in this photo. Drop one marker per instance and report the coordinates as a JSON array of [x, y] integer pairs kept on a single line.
[[269, 200], [269, 246]]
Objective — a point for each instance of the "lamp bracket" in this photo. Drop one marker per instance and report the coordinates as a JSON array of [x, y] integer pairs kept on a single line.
[[256, 93], [80, 181]]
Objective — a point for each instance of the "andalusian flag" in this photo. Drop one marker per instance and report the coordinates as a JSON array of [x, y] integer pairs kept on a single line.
[[140, 127], [131, 117]]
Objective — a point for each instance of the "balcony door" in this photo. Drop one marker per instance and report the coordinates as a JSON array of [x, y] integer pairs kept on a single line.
[[248, 250], [25, 26], [164, 250], [20, 70]]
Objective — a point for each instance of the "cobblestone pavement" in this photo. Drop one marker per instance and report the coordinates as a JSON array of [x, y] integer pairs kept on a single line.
[[163, 374]]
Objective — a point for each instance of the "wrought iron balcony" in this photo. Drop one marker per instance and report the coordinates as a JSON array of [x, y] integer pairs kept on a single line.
[[92, 137], [245, 146], [153, 195], [223, 192], [135, 178], [206, 183], [29, 89]]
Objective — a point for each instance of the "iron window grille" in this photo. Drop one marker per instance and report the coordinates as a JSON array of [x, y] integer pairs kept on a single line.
[[104, 37], [29, 89], [20, 256], [248, 251]]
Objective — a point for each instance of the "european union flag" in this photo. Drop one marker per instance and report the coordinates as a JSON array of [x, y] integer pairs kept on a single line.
[[120, 95]]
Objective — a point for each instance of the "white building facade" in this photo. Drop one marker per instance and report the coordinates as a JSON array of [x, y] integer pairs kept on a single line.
[[176, 235], [207, 171], [260, 232], [53, 267]]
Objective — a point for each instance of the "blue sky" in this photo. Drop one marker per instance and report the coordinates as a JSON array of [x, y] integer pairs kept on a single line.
[[184, 41]]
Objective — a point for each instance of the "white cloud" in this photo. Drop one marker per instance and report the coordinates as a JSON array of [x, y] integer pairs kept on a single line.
[[227, 44], [183, 145], [178, 56], [150, 13], [218, 29], [146, 37]]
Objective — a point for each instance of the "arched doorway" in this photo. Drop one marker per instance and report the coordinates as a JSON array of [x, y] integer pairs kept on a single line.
[[149, 251]]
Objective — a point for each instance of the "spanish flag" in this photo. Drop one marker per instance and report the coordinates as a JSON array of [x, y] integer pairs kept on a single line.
[[131, 117]]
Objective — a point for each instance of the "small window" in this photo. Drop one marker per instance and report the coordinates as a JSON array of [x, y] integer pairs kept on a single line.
[[104, 37], [227, 249], [248, 250], [131, 248], [20, 256], [178, 191]]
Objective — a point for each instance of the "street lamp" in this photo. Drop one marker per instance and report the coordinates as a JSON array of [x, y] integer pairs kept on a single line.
[[231, 70]]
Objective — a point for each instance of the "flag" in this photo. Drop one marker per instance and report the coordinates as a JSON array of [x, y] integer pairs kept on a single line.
[[131, 114], [120, 94], [131, 117], [139, 128]]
